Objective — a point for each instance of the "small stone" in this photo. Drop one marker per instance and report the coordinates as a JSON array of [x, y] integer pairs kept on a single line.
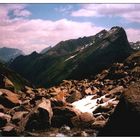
[[60, 96], [2, 108], [86, 117], [65, 128], [100, 118], [116, 90], [101, 109], [98, 124], [9, 99], [4, 118], [88, 91], [74, 96], [84, 134], [103, 100], [84, 120], [19, 115], [60, 135]]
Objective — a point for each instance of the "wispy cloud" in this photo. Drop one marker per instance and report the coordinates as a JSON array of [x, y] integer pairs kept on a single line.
[[130, 12], [67, 9], [15, 9]]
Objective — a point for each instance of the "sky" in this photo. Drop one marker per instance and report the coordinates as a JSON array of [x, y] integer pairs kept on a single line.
[[33, 27]]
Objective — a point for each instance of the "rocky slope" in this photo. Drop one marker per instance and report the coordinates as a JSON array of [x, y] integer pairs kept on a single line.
[[125, 120], [6, 54], [74, 107], [74, 59]]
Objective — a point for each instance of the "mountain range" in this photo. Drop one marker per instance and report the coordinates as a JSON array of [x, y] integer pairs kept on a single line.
[[74, 59]]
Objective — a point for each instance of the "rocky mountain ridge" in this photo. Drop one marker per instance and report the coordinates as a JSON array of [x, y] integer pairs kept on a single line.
[[68, 59]]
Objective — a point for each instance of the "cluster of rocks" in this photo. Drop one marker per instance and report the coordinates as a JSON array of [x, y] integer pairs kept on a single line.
[[73, 108]]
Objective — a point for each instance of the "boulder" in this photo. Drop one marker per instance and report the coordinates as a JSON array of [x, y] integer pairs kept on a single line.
[[9, 130], [8, 84], [88, 91], [63, 115], [40, 117], [74, 96], [98, 124], [8, 98], [117, 90], [19, 115], [83, 120], [125, 121], [60, 96]]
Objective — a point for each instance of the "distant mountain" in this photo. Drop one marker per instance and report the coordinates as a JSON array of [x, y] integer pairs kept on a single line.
[[74, 59], [136, 45], [45, 50], [7, 54]]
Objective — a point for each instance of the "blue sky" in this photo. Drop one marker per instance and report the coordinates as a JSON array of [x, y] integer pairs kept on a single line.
[[36, 26], [59, 11]]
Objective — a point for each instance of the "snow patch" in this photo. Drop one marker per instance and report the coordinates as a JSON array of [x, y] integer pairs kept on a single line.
[[70, 57], [88, 104]]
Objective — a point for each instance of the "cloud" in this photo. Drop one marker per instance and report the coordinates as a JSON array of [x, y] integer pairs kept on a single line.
[[64, 9], [37, 34], [133, 34], [15, 9], [130, 12], [22, 13], [84, 13]]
